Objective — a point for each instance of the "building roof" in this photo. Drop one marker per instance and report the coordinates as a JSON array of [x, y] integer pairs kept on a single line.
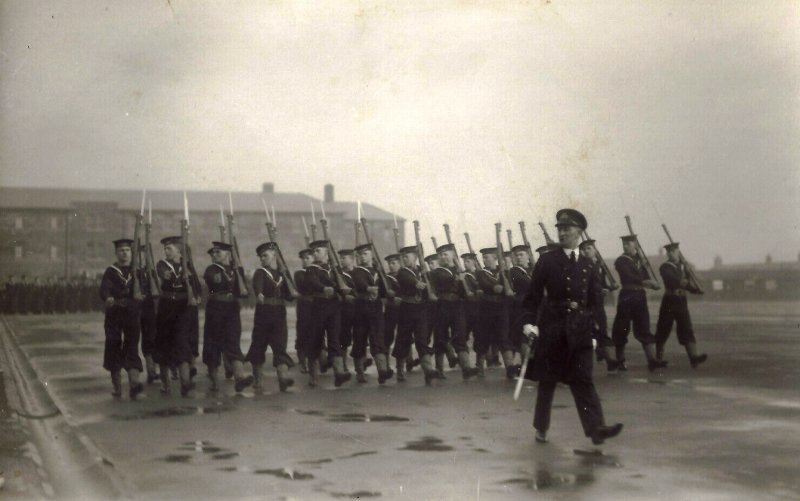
[[172, 200]]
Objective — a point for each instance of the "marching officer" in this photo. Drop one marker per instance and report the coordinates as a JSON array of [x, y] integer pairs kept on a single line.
[[121, 321], [269, 325], [222, 332], [567, 287], [632, 305], [675, 307]]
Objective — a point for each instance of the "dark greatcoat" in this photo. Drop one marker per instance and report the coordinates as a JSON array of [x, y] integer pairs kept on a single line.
[[564, 349]]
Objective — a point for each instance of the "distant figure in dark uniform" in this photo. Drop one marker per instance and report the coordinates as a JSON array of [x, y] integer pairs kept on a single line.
[[222, 331], [392, 311], [121, 321], [472, 303], [449, 321], [493, 313], [269, 323], [368, 321], [413, 317], [176, 319], [304, 326], [563, 326], [600, 325], [348, 261], [326, 312], [675, 307], [520, 278], [632, 305], [11, 296]]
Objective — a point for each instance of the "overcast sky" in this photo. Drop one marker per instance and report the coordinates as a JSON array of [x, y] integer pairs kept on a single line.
[[465, 111]]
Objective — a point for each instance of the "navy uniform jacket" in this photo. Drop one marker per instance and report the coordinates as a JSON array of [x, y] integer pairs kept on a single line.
[[672, 274], [568, 295], [520, 280], [117, 283], [317, 277], [170, 275], [487, 279], [270, 283], [363, 277], [445, 283], [407, 279], [631, 271], [220, 279]]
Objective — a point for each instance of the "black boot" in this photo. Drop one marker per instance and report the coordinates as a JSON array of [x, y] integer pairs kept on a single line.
[[601, 433]]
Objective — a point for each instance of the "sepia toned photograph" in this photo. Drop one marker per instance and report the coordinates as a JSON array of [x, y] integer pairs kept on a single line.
[[441, 250]]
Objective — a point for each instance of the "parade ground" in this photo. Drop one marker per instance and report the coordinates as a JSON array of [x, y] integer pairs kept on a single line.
[[727, 430]]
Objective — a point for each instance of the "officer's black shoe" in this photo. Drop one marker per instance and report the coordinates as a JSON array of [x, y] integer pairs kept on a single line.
[[601, 433], [285, 383], [622, 366], [186, 388], [699, 359], [653, 365], [243, 383], [541, 437], [384, 376], [340, 379], [135, 389], [512, 371]]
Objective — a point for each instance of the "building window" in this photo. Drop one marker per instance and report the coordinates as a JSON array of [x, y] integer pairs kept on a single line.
[[18, 222], [53, 253], [54, 223], [749, 284], [770, 285], [18, 252], [718, 285]]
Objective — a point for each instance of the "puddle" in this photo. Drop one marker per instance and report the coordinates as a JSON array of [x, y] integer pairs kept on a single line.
[[309, 413], [185, 410], [427, 444], [356, 494], [316, 461], [202, 448], [225, 455], [596, 457], [356, 454], [366, 418], [286, 473], [481, 449], [544, 480], [177, 458]]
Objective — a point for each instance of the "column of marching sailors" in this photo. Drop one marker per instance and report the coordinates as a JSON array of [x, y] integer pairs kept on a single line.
[[363, 314]]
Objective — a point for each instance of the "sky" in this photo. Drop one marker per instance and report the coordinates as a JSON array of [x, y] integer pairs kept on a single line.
[[465, 112]]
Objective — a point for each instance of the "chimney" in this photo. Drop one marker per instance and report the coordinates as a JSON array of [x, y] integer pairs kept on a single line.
[[268, 188], [718, 262], [328, 193], [769, 259]]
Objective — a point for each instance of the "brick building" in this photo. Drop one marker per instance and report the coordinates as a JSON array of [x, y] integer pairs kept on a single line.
[[68, 232], [765, 280]]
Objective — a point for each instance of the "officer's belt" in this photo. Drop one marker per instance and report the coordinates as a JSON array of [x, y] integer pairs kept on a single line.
[[632, 288], [675, 292], [564, 307], [221, 297], [174, 296]]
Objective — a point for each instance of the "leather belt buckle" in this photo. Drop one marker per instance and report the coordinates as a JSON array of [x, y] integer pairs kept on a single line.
[[573, 305]]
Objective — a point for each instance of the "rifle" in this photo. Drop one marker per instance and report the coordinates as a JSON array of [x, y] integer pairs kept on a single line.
[[235, 256], [150, 262], [459, 267], [280, 261], [305, 232], [135, 264], [424, 265], [471, 251], [221, 224], [510, 239], [313, 223], [376, 257], [526, 242], [502, 262], [693, 279], [433, 241], [610, 284], [547, 238], [185, 253], [642, 255], [396, 231], [333, 257]]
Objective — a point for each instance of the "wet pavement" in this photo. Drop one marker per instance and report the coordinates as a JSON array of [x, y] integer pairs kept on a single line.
[[730, 429]]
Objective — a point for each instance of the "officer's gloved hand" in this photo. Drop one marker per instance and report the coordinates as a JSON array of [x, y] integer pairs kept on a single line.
[[531, 331], [261, 298], [594, 344]]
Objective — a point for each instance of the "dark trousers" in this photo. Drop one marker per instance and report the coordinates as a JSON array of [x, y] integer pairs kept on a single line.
[[368, 328], [390, 318], [412, 326], [174, 325], [348, 317], [493, 327], [515, 336], [148, 324], [674, 309], [632, 308], [586, 401], [269, 331], [326, 315], [471, 320], [122, 338], [450, 326], [222, 333], [600, 329], [304, 328]]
